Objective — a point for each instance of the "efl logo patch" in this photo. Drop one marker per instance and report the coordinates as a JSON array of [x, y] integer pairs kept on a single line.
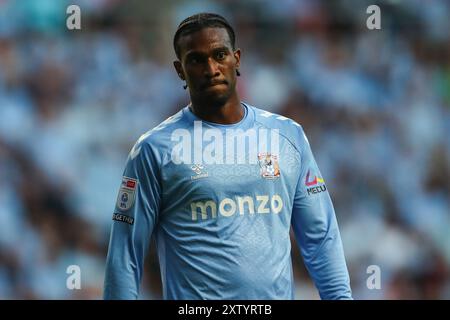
[[270, 168], [127, 192]]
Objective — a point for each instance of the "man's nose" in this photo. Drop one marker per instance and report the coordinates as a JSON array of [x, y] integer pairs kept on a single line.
[[212, 68]]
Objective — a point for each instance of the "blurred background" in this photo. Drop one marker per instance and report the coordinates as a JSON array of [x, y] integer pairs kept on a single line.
[[375, 105]]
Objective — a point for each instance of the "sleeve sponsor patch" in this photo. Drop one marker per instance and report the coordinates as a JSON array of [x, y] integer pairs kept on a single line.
[[127, 193], [123, 218], [314, 185]]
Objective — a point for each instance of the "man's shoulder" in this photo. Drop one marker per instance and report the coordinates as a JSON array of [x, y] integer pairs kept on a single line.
[[286, 126], [158, 139], [160, 135]]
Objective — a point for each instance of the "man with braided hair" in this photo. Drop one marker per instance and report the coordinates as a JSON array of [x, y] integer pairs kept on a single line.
[[219, 186]]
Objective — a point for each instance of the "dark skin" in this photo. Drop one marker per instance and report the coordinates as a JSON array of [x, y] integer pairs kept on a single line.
[[208, 64]]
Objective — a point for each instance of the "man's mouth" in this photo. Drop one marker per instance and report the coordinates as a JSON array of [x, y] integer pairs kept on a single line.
[[213, 84]]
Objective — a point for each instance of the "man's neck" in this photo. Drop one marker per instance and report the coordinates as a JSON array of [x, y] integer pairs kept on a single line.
[[228, 113]]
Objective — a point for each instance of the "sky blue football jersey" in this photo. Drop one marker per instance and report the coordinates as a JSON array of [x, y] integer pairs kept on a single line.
[[220, 201]]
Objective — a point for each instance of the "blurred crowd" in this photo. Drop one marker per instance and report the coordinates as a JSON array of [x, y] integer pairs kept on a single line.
[[375, 105]]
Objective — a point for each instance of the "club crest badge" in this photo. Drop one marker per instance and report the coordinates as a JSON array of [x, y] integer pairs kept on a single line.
[[270, 169]]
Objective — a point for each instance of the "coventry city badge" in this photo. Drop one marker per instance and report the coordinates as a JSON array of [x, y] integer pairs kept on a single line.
[[268, 163]]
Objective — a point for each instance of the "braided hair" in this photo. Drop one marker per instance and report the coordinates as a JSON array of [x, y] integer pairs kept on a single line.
[[200, 21]]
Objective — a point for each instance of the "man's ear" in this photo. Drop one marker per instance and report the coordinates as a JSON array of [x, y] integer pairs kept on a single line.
[[237, 56], [179, 69]]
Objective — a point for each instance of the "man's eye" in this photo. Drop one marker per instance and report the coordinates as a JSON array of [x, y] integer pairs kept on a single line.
[[221, 55]]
